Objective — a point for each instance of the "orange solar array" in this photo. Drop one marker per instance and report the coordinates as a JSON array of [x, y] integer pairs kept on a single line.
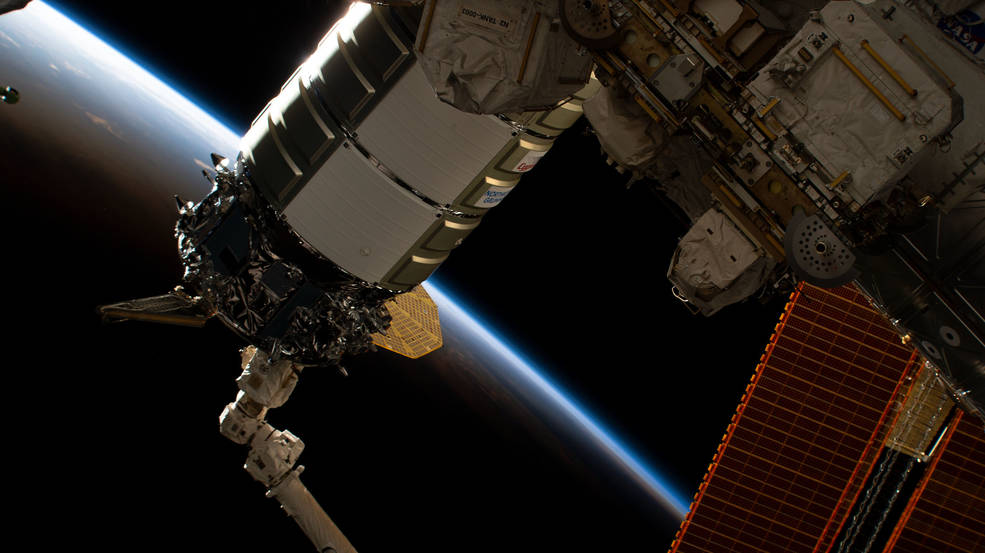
[[807, 432], [948, 511]]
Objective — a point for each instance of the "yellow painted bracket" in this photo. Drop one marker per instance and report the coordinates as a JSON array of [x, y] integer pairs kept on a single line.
[[770, 135], [868, 84], [639, 100], [889, 69], [427, 26], [530, 43], [834, 184], [769, 106], [906, 39]]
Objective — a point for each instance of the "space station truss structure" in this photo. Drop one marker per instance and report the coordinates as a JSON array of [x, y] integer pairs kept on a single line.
[[844, 441], [835, 144]]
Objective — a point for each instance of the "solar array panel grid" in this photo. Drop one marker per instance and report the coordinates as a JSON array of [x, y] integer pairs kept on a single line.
[[948, 515], [792, 453]]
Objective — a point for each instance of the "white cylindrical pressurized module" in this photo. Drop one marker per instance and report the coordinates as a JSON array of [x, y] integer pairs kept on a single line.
[[371, 169]]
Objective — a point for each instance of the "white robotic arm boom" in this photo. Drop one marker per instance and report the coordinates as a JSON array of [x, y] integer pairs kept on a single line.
[[273, 453]]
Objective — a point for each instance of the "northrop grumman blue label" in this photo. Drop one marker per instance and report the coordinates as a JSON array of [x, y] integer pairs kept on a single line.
[[481, 14], [492, 197]]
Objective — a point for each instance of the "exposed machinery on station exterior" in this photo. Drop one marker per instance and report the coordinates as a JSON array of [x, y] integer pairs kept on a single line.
[[847, 148], [837, 145]]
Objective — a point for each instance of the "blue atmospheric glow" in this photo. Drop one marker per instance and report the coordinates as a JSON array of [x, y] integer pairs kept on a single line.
[[656, 487], [62, 20]]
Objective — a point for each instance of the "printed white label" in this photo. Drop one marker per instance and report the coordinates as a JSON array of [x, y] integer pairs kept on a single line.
[[482, 15], [529, 161], [493, 196]]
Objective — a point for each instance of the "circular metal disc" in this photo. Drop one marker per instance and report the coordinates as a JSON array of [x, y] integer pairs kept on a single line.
[[589, 22], [816, 254]]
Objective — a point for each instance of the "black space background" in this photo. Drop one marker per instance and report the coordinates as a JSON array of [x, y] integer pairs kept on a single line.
[[570, 269]]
